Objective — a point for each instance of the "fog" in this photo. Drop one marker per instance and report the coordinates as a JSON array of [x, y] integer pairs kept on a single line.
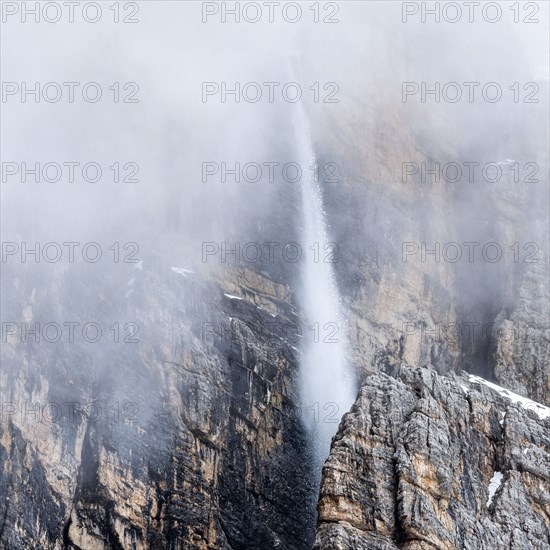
[[174, 128]]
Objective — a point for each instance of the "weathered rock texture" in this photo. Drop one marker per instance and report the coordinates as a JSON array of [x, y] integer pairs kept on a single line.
[[189, 438], [412, 462]]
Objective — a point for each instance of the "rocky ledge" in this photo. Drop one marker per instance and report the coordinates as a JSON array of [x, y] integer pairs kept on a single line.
[[424, 461]]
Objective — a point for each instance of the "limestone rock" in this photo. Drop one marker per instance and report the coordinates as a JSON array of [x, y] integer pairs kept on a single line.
[[413, 461]]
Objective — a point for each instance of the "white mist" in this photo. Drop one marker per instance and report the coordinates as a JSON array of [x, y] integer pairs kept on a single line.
[[327, 383]]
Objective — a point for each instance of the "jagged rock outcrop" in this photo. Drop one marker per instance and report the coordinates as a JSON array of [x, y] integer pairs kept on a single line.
[[424, 461]]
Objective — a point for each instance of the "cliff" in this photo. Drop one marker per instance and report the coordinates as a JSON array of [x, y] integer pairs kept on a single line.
[[424, 461], [182, 426]]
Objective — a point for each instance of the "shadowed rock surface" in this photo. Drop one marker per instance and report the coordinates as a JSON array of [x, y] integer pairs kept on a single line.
[[195, 438]]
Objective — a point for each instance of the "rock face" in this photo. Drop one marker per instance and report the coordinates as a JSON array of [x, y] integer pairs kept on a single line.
[[483, 317], [520, 350], [427, 461], [188, 438]]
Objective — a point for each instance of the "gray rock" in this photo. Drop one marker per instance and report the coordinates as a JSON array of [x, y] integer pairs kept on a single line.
[[412, 463]]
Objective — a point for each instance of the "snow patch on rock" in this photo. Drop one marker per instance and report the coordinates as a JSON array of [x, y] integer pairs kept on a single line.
[[542, 411], [181, 271], [494, 484]]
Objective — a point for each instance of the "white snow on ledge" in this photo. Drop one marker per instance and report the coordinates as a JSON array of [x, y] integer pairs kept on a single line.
[[494, 484], [230, 296], [541, 411], [181, 271]]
